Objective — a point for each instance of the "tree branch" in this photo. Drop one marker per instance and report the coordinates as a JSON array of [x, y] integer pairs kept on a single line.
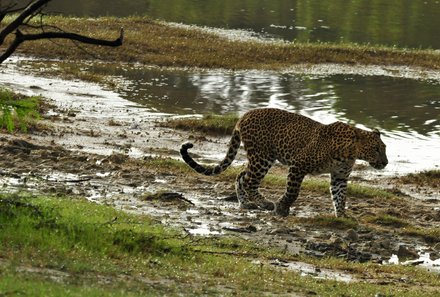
[[71, 36], [20, 38], [29, 10]]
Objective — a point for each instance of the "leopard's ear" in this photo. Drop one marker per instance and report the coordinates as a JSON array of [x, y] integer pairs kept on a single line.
[[376, 131], [358, 136]]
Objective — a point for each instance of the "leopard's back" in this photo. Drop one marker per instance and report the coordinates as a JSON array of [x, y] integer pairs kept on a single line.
[[283, 134]]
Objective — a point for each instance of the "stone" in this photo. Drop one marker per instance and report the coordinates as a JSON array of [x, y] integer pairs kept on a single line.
[[407, 252], [385, 243], [352, 235]]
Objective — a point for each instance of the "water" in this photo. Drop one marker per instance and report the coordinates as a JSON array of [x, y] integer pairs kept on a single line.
[[407, 111], [404, 23]]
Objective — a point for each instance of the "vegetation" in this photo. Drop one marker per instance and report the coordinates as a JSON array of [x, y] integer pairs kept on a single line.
[[152, 42], [49, 246], [388, 220], [18, 111], [19, 17], [209, 124], [429, 178], [329, 222]]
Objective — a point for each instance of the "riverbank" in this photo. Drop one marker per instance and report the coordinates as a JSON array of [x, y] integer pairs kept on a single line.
[[153, 42]]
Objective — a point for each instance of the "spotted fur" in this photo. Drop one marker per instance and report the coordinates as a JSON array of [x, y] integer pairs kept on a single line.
[[306, 146]]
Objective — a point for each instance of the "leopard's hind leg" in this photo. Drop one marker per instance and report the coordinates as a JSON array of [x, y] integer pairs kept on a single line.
[[243, 199], [249, 180], [294, 180]]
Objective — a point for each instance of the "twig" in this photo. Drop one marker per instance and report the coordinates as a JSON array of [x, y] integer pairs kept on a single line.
[[232, 253], [248, 229], [80, 180], [22, 204]]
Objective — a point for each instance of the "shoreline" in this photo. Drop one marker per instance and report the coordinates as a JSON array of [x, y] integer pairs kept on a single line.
[[152, 42]]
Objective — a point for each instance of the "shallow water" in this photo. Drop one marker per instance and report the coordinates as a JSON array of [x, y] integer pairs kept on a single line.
[[392, 22]]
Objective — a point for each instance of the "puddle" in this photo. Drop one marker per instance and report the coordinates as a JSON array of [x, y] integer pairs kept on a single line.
[[424, 261], [305, 269]]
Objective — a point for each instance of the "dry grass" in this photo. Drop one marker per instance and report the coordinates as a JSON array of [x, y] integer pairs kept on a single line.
[[429, 178], [151, 42], [209, 124]]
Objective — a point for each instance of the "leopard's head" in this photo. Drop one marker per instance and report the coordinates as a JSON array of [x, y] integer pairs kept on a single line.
[[370, 148]]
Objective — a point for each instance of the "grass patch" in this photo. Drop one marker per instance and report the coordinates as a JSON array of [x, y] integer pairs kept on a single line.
[[330, 222], [429, 178], [321, 186], [403, 227], [430, 235], [167, 164], [209, 124], [18, 112], [153, 42], [360, 191], [388, 221], [53, 247]]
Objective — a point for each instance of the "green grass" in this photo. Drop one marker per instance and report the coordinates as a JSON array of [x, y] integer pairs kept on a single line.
[[388, 221], [329, 222], [404, 227], [152, 42], [321, 186], [209, 124], [168, 164], [18, 111], [71, 247], [430, 235]]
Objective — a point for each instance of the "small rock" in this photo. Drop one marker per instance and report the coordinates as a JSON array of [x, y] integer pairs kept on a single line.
[[385, 243], [352, 235], [436, 247], [434, 256], [407, 252], [376, 247], [414, 262], [336, 240]]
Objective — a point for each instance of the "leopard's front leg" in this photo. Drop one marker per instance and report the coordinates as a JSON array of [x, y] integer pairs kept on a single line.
[[294, 180], [338, 189]]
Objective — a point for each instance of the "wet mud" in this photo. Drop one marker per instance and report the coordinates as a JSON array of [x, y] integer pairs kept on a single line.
[[101, 168]]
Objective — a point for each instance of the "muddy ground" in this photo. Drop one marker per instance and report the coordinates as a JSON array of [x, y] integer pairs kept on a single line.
[[103, 151]]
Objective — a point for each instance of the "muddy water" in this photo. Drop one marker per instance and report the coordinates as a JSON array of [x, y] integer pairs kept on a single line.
[[404, 107], [392, 22]]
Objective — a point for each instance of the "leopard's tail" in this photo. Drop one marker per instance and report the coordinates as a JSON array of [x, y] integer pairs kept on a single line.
[[234, 145]]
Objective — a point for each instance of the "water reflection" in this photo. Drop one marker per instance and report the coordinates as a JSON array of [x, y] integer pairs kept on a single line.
[[393, 104], [407, 111], [403, 23]]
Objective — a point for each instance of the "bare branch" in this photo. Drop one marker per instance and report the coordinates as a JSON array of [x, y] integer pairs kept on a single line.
[[72, 36], [33, 9], [29, 10], [20, 38]]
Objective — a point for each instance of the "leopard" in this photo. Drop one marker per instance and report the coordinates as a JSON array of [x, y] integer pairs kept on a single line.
[[306, 146]]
